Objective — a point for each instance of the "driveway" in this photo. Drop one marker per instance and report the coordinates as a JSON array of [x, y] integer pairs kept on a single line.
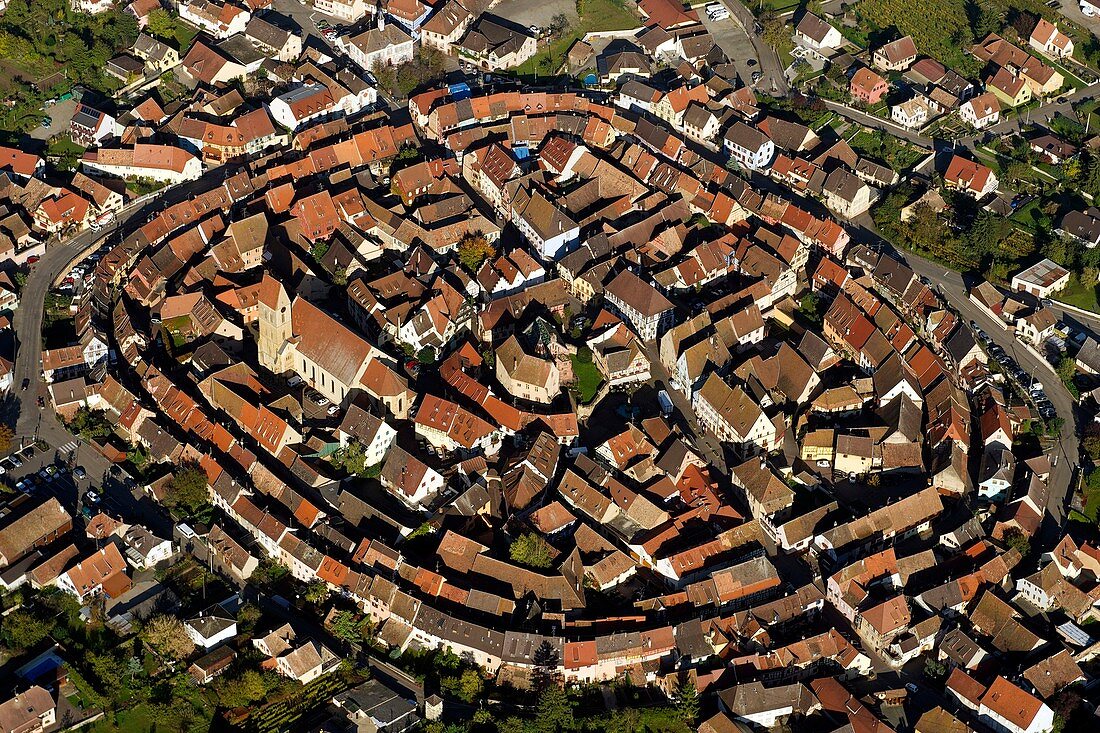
[[1072, 10], [732, 38], [61, 115]]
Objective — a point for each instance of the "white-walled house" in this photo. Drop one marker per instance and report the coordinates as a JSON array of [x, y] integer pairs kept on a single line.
[[166, 163], [749, 147], [1009, 709]]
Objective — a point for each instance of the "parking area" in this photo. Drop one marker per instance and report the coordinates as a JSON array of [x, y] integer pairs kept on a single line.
[[60, 114], [1072, 10], [536, 12], [1028, 385]]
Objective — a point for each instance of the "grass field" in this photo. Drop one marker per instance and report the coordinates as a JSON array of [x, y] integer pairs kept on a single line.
[[595, 15], [588, 377], [1079, 294]]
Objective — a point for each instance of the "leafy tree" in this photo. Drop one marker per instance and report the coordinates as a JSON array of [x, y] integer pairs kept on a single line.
[[426, 355], [188, 488], [168, 637], [241, 691], [352, 458], [554, 713], [161, 24], [473, 249], [90, 424], [1067, 370], [7, 435], [24, 630], [934, 669], [532, 550], [316, 592], [687, 703], [466, 686], [319, 249], [810, 307], [1016, 539]]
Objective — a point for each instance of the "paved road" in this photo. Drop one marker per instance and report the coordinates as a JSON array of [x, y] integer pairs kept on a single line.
[[773, 81], [952, 287], [737, 44]]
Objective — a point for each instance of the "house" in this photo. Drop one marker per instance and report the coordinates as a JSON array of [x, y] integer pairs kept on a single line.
[[1090, 8], [1036, 327], [1009, 709], [211, 628], [897, 55], [102, 572], [274, 41], [1084, 226], [37, 527], [969, 177], [387, 44], [220, 20], [374, 707], [1009, 88], [204, 669], [144, 549], [446, 26], [748, 146], [303, 104], [913, 113], [981, 111], [89, 127], [545, 225], [1051, 149], [845, 194], [814, 33], [640, 304], [349, 11], [166, 163], [525, 375], [31, 711], [998, 468], [1042, 279], [867, 87], [494, 43], [732, 416], [767, 707], [1049, 41], [19, 164]]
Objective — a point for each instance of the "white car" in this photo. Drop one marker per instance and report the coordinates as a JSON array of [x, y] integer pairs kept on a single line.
[[91, 497]]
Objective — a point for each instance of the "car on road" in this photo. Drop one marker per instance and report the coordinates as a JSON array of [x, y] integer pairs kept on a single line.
[[756, 76], [294, 381], [751, 62], [322, 24], [91, 497], [26, 383], [80, 473], [318, 399], [333, 410]]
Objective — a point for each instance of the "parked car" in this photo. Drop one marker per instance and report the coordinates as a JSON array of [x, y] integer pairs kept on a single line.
[[15, 460], [80, 473]]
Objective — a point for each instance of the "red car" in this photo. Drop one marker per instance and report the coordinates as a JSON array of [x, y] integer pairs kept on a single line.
[[32, 259]]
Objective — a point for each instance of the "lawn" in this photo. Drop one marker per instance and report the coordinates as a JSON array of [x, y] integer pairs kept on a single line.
[[595, 15], [588, 377], [887, 149], [1079, 294]]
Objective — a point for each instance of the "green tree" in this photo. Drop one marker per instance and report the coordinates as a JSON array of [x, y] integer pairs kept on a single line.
[[167, 636], [466, 686], [316, 592], [161, 24], [554, 713], [24, 630], [241, 691], [532, 550], [352, 458], [1016, 539], [187, 488], [687, 703], [473, 249]]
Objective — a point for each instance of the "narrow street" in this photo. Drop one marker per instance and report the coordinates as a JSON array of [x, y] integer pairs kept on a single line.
[[953, 289]]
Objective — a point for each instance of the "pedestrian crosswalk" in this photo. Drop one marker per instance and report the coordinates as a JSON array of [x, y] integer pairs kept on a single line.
[[69, 447]]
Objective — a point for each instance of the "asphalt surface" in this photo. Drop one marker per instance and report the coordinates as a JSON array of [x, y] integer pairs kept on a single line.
[[952, 288], [773, 81]]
